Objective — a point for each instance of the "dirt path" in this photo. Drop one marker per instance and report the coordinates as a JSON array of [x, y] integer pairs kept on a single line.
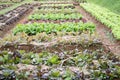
[[102, 31]]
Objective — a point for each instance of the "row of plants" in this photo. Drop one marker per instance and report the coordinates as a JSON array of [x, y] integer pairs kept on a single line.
[[34, 28], [2, 12], [55, 1], [59, 38], [3, 6], [55, 10], [67, 65], [106, 17], [57, 5], [81, 1], [56, 16], [15, 1]]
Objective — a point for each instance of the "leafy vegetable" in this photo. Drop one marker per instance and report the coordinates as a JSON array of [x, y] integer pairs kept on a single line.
[[56, 16], [33, 29], [105, 16]]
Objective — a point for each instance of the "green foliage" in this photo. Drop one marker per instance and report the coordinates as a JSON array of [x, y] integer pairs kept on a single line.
[[52, 10], [106, 17], [56, 16], [113, 5], [26, 61], [55, 73], [56, 67], [68, 75], [53, 59], [33, 29]]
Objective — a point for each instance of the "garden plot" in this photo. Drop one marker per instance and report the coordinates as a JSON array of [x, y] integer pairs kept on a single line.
[[11, 1], [58, 6], [56, 51], [64, 15], [55, 17], [53, 10], [4, 6], [14, 15], [74, 64], [110, 19], [56, 2]]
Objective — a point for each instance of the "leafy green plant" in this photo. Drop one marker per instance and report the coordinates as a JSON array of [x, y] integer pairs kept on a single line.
[[56, 16], [53, 59], [96, 64], [33, 29], [105, 16], [55, 73]]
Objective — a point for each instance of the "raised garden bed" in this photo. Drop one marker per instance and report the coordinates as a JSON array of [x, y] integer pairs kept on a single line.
[[62, 47], [3, 6], [58, 7], [14, 15]]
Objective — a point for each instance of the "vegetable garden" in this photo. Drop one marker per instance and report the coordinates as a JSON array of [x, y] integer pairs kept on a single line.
[[54, 40]]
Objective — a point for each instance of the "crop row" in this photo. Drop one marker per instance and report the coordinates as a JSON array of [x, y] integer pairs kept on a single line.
[[3, 6], [54, 2], [57, 16], [14, 15], [32, 29], [55, 10], [106, 17], [57, 5], [85, 65], [11, 1]]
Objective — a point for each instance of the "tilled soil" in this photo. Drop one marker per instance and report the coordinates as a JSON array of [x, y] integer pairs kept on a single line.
[[4, 6], [7, 29], [54, 21]]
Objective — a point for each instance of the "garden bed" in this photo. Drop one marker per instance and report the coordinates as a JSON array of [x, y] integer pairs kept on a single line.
[[54, 21], [74, 64], [3, 6], [57, 46], [14, 15], [103, 31], [57, 7], [51, 42]]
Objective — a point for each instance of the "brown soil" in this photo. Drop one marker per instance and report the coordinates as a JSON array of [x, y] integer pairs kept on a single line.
[[54, 21], [56, 7], [58, 3], [102, 30], [4, 6], [51, 47]]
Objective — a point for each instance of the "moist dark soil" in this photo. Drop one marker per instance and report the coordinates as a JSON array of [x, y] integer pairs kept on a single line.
[[50, 47], [58, 3], [53, 21], [3, 6], [56, 7], [7, 28], [102, 31]]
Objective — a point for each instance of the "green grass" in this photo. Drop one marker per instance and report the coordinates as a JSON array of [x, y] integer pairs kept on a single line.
[[113, 5]]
